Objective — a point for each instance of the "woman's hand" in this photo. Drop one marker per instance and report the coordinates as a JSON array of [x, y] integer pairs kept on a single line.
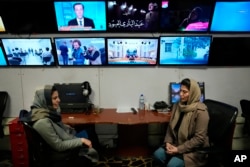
[[86, 142], [171, 149]]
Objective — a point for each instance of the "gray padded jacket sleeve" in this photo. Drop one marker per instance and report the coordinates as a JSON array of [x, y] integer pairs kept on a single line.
[[56, 136]]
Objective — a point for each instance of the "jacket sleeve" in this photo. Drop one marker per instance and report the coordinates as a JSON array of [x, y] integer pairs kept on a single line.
[[199, 136], [56, 136], [95, 55], [169, 137]]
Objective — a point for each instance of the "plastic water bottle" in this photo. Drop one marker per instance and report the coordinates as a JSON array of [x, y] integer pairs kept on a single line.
[[141, 102]]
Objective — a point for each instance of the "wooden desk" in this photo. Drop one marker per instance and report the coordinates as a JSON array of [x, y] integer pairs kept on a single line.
[[110, 116], [132, 128]]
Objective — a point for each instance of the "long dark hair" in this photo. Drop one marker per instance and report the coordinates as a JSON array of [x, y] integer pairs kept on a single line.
[[186, 82]]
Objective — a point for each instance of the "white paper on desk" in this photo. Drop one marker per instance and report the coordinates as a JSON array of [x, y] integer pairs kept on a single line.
[[124, 109]]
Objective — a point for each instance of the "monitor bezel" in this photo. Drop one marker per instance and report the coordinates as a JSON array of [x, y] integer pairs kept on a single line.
[[186, 65], [82, 66], [29, 65], [80, 31], [133, 65]]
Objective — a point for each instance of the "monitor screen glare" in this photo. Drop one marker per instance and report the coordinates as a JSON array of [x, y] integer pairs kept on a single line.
[[131, 51], [80, 51], [80, 15], [184, 50], [29, 52]]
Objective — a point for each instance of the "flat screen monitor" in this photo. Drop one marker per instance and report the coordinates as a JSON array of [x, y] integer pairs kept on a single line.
[[184, 50], [3, 62], [71, 93], [182, 16], [133, 16], [28, 16], [2, 27], [175, 90], [229, 51], [72, 98], [80, 51], [132, 51], [29, 52], [231, 16], [78, 16]]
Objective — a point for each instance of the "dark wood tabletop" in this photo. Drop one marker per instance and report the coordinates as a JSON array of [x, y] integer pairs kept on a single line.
[[110, 116]]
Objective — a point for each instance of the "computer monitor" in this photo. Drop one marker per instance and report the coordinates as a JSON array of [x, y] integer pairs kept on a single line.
[[80, 51], [229, 51], [71, 95], [89, 15], [28, 16], [184, 50], [3, 62], [132, 51], [133, 16], [26, 52], [175, 90], [231, 16], [185, 16]]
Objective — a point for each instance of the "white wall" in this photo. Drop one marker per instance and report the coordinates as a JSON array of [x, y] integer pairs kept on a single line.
[[113, 87], [121, 86]]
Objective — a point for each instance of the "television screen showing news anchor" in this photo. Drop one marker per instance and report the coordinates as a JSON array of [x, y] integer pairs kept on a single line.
[[80, 15]]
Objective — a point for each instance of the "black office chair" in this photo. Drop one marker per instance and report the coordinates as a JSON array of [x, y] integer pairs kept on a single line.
[[4, 96], [245, 108], [42, 155], [220, 131]]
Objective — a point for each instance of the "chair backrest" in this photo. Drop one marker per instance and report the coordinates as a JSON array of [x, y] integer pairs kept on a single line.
[[221, 124], [4, 96], [41, 153], [245, 107], [38, 148]]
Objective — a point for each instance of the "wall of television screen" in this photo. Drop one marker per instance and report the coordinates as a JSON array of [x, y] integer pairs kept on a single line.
[[181, 20], [168, 16], [178, 50]]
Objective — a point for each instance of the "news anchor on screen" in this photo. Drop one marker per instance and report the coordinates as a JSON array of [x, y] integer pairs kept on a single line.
[[80, 20]]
